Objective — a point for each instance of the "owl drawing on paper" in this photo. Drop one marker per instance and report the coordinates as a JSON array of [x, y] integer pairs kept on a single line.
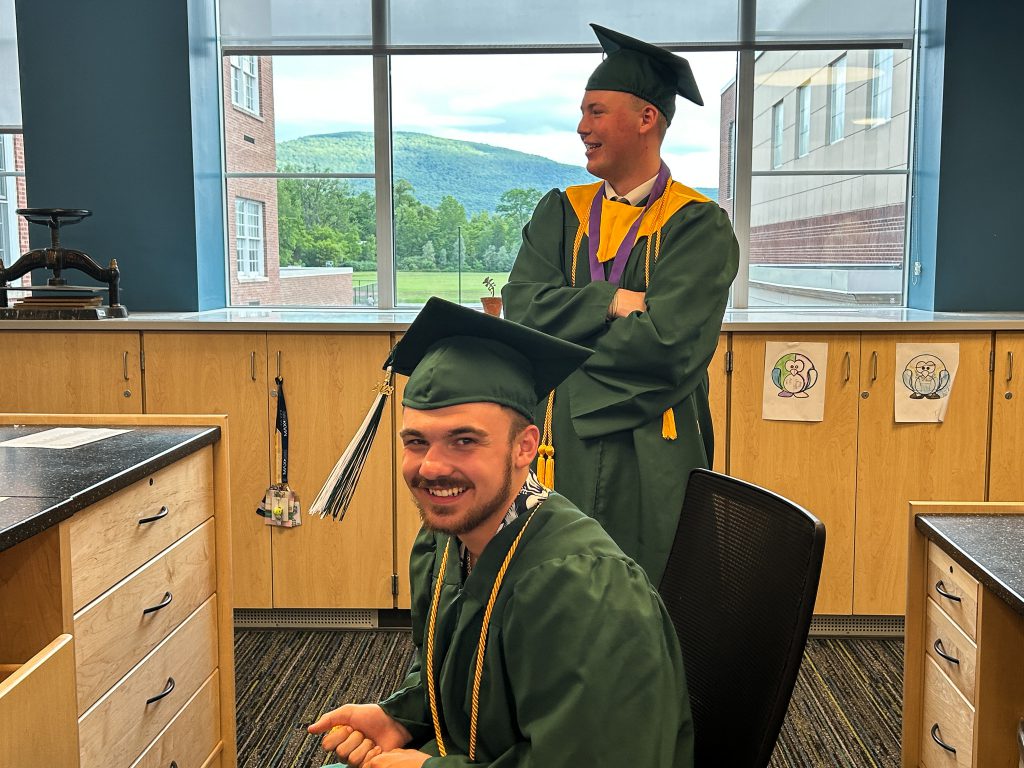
[[926, 377], [794, 374]]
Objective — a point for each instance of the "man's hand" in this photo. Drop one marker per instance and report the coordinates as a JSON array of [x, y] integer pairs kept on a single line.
[[398, 758], [624, 302], [356, 732]]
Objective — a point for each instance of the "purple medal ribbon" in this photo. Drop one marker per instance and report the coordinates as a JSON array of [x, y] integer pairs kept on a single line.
[[622, 254]]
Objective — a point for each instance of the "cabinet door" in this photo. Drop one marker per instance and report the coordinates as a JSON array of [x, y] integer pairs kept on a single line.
[[71, 372], [329, 382], [224, 373], [899, 463], [1006, 474], [812, 463], [718, 398]]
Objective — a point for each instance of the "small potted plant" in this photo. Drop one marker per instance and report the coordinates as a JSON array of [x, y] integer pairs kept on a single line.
[[492, 303]]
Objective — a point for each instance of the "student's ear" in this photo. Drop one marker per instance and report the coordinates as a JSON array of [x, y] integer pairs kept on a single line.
[[526, 444], [648, 118]]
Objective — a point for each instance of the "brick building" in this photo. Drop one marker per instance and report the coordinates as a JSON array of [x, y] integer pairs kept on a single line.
[[254, 263], [817, 235]]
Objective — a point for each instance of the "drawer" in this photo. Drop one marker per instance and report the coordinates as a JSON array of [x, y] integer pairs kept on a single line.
[[111, 539], [942, 635], [126, 719], [113, 633], [960, 600], [192, 736], [37, 716], [945, 707]]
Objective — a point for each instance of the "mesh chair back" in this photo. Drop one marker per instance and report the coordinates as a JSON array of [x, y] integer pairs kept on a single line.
[[740, 586]]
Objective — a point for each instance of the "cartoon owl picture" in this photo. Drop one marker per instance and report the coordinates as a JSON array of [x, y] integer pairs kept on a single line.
[[926, 377], [794, 374]]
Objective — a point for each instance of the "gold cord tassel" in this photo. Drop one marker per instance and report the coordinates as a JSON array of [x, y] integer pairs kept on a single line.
[[546, 449], [668, 424]]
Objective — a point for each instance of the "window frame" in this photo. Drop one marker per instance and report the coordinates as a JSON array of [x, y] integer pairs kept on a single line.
[[245, 84], [837, 100], [880, 117], [244, 218], [778, 133], [803, 119]]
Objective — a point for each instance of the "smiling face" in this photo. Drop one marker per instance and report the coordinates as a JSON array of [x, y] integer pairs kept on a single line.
[[925, 368], [464, 466], [619, 132]]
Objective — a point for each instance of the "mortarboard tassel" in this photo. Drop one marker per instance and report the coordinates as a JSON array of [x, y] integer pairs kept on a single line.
[[668, 424], [340, 485]]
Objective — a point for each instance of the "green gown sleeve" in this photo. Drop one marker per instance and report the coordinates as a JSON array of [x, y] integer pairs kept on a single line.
[[408, 704], [595, 671], [649, 361], [538, 294]]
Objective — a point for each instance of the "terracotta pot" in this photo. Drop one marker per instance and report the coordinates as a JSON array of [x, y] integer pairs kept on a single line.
[[492, 305]]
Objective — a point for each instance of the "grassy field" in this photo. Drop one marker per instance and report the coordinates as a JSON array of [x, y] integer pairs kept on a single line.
[[417, 287]]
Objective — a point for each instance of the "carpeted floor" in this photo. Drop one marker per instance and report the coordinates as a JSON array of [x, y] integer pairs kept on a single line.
[[845, 711]]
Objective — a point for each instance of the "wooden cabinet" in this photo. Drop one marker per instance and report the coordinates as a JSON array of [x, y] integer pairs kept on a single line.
[[858, 469], [330, 382], [899, 463], [1006, 470], [138, 587], [812, 463], [963, 677], [718, 399], [224, 373], [79, 372]]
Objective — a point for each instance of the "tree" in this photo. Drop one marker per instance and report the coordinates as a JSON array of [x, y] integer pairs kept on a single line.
[[518, 205]]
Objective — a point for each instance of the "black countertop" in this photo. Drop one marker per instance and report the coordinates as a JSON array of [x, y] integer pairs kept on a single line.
[[989, 547], [45, 485]]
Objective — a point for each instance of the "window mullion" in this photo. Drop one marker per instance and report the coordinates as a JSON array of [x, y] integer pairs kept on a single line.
[[382, 160]]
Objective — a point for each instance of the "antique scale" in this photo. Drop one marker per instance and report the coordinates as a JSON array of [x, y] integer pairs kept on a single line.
[[60, 301]]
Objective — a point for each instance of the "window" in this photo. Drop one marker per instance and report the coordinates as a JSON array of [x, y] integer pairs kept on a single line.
[[245, 83], [881, 86], [778, 126], [13, 231], [249, 237], [803, 120], [396, 185], [837, 100]]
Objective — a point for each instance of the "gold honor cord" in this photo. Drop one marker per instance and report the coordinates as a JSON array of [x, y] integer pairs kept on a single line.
[[546, 451], [480, 648]]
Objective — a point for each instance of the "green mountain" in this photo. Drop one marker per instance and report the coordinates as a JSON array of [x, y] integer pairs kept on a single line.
[[475, 174]]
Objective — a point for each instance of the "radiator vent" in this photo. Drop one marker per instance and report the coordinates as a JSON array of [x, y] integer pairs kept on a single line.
[[856, 626], [306, 618]]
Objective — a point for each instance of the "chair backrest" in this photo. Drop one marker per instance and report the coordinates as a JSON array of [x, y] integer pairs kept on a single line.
[[740, 586]]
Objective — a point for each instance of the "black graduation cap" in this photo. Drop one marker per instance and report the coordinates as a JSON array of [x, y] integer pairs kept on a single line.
[[453, 355], [644, 70]]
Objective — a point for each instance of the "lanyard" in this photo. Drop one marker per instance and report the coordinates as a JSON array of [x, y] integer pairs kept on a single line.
[[282, 427], [622, 253]]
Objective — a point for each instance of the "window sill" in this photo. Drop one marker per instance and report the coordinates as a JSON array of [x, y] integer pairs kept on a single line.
[[247, 113], [253, 279]]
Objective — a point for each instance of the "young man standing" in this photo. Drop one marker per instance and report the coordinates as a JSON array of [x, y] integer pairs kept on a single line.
[[539, 643], [637, 267]]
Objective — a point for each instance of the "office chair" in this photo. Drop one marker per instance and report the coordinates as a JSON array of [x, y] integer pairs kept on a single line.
[[740, 586]]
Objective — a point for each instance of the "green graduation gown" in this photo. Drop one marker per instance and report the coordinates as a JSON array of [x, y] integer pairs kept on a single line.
[[582, 666], [610, 457]]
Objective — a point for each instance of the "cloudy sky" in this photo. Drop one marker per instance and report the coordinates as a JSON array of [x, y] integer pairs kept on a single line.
[[525, 102]]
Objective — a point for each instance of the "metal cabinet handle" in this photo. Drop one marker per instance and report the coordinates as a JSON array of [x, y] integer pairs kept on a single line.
[[162, 604], [940, 742], [941, 589], [874, 366], [166, 691], [158, 516], [1009, 366], [941, 650], [124, 364], [252, 365], [279, 364], [846, 365]]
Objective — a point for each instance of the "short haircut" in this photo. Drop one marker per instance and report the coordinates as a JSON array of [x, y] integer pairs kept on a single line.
[[519, 422]]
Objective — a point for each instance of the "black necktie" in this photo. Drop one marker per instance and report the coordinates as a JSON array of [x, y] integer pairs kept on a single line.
[[621, 200]]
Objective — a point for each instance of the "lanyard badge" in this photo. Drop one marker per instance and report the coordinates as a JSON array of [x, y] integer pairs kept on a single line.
[[280, 505]]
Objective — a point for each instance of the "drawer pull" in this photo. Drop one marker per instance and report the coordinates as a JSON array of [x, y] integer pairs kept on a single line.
[[940, 742], [939, 649], [170, 687], [158, 516], [162, 604], [940, 588]]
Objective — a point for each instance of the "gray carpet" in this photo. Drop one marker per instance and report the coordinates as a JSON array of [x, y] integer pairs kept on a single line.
[[845, 711]]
